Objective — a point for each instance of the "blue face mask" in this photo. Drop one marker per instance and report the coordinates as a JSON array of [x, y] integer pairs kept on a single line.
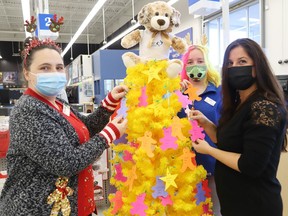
[[50, 84]]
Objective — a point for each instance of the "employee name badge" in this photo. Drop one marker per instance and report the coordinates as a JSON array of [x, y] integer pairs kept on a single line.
[[210, 101], [66, 109]]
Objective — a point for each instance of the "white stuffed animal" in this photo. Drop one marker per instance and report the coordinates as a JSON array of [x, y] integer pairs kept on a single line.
[[158, 18]]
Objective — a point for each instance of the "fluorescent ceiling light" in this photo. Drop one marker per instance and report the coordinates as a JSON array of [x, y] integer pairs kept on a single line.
[[89, 17], [171, 2], [118, 37], [1, 56], [26, 13]]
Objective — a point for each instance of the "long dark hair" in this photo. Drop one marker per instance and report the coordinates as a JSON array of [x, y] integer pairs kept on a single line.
[[267, 83]]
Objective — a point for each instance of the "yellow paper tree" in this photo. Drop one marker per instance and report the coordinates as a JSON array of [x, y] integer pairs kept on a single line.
[[155, 172]]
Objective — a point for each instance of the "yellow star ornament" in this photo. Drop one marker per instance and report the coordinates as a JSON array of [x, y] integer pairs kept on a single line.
[[169, 180], [153, 73]]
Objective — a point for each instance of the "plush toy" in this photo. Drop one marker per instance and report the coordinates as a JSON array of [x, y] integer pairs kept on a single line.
[[158, 18]]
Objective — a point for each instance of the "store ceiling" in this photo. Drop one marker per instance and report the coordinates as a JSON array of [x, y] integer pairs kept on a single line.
[[117, 14]]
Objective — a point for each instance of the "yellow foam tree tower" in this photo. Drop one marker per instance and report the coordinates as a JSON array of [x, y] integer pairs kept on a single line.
[[155, 172]]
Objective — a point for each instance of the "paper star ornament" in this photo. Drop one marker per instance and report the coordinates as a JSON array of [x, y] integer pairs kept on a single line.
[[169, 180], [153, 74]]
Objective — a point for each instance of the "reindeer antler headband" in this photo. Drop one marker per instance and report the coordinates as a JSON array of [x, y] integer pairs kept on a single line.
[[37, 43]]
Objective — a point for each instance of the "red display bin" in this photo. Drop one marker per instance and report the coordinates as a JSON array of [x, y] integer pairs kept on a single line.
[[4, 143]]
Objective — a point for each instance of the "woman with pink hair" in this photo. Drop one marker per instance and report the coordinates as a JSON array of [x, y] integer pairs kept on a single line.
[[198, 71]]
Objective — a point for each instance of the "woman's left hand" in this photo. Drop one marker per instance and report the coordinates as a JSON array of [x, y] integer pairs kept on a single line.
[[201, 146], [118, 92]]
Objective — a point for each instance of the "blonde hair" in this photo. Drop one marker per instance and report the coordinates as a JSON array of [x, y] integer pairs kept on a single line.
[[212, 75]]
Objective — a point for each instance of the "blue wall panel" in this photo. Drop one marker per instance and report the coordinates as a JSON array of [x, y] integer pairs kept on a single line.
[[107, 65]]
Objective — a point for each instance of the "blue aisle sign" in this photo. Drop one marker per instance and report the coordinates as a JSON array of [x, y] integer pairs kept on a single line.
[[43, 31]]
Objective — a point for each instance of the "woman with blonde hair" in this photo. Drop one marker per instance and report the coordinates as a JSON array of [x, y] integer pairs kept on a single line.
[[198, 71]]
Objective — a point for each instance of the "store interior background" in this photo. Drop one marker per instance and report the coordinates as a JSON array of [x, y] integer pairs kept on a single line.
[[265, 21]]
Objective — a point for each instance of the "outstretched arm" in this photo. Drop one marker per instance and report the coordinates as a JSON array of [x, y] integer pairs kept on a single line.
[[179, 45], [131, 39], [230, 159], [209, 127]]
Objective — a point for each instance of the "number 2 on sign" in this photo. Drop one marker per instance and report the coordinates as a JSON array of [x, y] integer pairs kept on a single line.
[[47, 21]]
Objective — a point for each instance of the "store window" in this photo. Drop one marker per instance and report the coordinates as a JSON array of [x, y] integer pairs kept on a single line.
[[243, 22]]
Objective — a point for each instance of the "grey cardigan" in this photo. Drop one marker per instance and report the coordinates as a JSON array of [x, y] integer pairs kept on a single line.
[[43, 147]]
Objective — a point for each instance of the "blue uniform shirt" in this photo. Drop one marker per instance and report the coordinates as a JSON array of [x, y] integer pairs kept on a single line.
[[210, 106]]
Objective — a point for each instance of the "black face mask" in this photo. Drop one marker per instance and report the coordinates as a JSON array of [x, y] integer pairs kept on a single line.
[[240, 78]]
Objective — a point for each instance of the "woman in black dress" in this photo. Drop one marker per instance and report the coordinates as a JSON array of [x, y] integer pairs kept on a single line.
[[250, 133]]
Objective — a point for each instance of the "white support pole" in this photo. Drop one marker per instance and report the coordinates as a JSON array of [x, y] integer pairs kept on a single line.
[[226, 23]]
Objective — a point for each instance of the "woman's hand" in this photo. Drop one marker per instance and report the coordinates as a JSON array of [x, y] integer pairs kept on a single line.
[[120, 123], [184, 84], [118, 92], [201, 146], [114, 129], [199, 117]]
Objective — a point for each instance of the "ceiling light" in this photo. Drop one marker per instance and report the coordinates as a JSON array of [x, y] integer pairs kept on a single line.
[[118, 37], [26, 13], [133, 21], [89, 17], [104, 31], [171, 2], [1, 56]]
